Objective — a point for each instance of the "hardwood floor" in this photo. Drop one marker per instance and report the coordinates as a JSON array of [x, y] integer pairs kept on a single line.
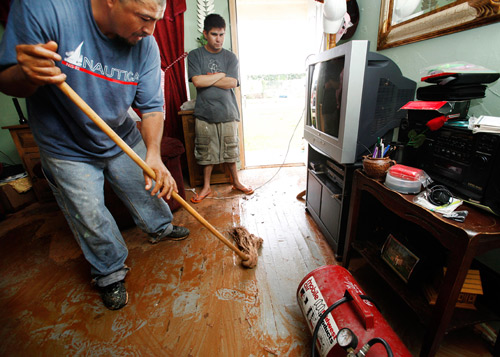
[[187, 298]]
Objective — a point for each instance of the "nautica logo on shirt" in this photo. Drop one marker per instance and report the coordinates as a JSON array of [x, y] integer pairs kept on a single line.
[[75, 57], [75, 60]]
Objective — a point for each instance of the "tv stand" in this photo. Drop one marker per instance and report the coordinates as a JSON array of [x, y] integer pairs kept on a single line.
[[377, 211], [328, 195]]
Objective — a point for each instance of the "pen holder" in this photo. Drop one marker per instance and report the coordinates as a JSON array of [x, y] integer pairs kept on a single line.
[[376, 168]]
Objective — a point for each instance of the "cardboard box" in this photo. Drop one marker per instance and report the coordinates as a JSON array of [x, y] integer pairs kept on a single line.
[[13, 201], [470, 290]]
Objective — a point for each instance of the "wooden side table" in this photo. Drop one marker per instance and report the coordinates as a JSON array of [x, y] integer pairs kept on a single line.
[[30, 155], [220, 173], [461, 241]]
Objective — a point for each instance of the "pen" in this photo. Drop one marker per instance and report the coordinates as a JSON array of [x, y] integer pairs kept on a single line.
[[377, 148], [386, 150]]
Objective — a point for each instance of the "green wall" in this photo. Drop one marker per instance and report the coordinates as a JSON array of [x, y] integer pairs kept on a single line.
[[478, 46], [191, 24]]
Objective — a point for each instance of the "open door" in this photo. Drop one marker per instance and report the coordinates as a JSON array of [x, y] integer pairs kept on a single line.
[[272, 41]]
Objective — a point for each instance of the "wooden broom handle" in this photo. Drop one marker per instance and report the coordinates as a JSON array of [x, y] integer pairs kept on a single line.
[[66, 89]]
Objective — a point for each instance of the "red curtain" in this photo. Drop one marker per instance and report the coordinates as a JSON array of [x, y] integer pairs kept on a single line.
[[169, 34]]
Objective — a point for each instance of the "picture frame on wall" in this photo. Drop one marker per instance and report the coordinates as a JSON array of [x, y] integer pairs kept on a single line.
[[399, 258]]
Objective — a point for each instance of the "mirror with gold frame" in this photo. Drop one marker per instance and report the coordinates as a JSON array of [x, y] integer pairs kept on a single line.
[[407, 21]]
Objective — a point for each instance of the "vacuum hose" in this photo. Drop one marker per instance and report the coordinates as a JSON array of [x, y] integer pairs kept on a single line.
[[362, 352], [322, 317]]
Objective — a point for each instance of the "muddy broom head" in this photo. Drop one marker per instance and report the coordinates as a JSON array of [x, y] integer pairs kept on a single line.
[[248, 243]]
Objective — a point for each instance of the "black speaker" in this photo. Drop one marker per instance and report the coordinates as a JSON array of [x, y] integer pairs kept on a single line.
[[492, 194]]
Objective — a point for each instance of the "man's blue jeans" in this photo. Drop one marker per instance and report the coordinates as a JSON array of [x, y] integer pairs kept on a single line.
[[79, 191]]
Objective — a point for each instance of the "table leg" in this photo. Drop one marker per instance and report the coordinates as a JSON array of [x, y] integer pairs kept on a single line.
[[459, 263], [352, 222]]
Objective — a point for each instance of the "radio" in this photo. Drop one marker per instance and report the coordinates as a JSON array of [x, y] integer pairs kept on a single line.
[[468, 164], [335, 172]]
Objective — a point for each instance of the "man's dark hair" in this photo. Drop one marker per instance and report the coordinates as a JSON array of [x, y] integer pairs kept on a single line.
[[214, 21]]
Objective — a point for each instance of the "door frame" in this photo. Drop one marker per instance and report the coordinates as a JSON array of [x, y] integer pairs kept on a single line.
[[233, 19]]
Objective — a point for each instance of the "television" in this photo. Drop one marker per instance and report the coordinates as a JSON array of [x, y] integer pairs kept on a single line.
[[353, 98]]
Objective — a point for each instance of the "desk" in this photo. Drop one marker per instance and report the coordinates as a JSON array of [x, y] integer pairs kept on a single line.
[[461, 241]]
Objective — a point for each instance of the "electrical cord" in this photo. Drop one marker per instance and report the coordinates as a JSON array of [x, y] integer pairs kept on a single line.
[[439, 195], [289, 142], [320, 321], [8, 157], [287, 150]]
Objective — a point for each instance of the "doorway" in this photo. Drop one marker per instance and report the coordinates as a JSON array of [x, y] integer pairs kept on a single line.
[[275, 37]]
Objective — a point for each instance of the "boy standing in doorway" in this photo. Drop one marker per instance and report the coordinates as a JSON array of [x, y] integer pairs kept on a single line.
[[214, 71]]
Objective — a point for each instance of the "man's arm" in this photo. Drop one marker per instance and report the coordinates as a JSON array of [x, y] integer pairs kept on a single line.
[[35, 67], [226, 83], [152, 133], [218, 80], [207, 80]]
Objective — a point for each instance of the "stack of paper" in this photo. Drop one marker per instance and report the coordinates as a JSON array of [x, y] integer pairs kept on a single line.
[[485, 124], [422, 200], [13, 177]]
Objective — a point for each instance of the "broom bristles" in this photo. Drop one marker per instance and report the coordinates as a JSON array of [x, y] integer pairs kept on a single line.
[[247, 243]]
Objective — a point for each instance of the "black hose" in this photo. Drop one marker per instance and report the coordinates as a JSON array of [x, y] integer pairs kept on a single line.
[[327, 311], [322, 317], [382, 341]]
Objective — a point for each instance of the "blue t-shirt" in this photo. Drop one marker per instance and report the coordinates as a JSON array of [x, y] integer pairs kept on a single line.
[[109, 75]]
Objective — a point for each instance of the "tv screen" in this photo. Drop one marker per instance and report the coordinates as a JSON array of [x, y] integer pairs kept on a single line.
[[327, 84], [353, 98]]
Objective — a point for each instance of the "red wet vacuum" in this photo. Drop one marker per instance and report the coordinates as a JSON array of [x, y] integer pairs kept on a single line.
[[343, 320]]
